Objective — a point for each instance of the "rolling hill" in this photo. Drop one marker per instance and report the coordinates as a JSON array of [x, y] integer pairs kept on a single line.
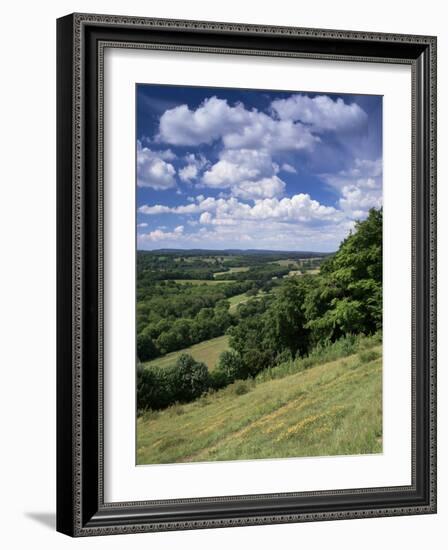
[[333, 408]]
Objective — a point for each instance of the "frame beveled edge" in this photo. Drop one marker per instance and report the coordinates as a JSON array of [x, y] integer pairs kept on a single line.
[[72, 277], [80, 19]]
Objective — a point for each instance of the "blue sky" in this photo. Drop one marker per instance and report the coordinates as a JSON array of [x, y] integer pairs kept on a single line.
[[232, 168]]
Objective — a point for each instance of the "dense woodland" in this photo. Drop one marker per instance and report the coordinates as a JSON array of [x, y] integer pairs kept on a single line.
[[174, 311], [298, 303]]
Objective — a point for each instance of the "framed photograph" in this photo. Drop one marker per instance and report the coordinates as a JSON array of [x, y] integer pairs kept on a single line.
[[246, 274]]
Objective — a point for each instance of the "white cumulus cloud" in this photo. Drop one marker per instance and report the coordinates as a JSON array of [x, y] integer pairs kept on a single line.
[[360, 187], [160, 235], [356, 201], [237, 126], [191, 171], [259, 189], [264, 132], [205, 218], [153, 170], [321, 112], [298, 208], [248, 173], [182, 126]]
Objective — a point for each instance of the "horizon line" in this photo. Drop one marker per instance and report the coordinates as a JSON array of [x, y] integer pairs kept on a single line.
[[175, 249]]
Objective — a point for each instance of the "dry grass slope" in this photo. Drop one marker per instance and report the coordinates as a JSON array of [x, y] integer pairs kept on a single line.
[[334, 408]]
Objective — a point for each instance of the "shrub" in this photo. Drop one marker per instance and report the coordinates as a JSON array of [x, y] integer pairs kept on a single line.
[[218, 379], [241, 387], [252, 292], [328, 351], [230, 367], [257, 360], [344, 347], [154, 387], [157, 388]]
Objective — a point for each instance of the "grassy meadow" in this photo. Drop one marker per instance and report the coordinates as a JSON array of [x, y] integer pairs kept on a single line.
[[207, 352], [332, 408]]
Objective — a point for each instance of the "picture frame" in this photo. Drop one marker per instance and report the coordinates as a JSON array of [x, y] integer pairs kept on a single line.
[[81, 506]]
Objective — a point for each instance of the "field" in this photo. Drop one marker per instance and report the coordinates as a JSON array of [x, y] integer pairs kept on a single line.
[[333, 408], [287, 262], [231, 270], [206, 352]]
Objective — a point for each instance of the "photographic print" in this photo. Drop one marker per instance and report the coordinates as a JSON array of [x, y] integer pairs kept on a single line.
[[258, 274]]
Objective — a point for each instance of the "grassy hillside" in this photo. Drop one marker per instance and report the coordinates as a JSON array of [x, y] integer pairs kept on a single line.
[[332, 408], [206, 352], [235, 301]]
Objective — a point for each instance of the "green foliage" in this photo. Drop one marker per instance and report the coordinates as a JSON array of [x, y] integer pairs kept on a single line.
[[323, 353], [218, 379], [172, 316], [231, 367], [307, 311], [348, 298], [252, 292], [251, 341], [146, 348], [344, 316], [191, 378], [157, 388], [285, 321], [253, 307]]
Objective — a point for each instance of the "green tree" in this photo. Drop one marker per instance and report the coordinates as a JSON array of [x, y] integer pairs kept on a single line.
[[192, 378], [231, 366], [146, 348], [285, 322], [348, 296]]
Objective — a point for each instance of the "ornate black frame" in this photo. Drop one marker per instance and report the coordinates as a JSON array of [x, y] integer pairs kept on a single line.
[[81, 39]]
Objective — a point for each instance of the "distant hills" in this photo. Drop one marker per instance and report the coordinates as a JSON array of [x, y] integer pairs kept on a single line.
[[237, 251]]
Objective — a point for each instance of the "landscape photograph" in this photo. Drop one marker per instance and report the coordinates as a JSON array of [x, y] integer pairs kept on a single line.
[[259, 267]]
